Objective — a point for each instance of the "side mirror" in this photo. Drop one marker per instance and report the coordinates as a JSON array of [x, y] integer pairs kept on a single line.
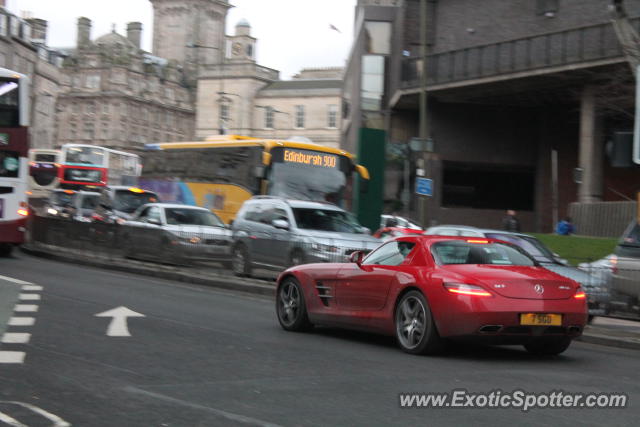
[[357, 257], [154, 221], [280, 223]]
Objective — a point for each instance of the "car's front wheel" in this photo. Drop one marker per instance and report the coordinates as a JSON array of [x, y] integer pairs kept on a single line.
[[548, 346], [415, 329], [291, 308], [240, 261]]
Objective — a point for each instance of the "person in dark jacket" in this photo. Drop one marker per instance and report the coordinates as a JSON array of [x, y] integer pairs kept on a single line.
[[510, 222]]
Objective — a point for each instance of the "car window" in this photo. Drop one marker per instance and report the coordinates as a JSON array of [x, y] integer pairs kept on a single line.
[[154, 213], [324, 220], [392, 253], [461, 252], [531, 245], [189, 216], [633, 236], [89, 202], [253, 212], [272, 214]]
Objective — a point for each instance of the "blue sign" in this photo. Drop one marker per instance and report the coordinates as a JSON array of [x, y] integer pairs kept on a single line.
[[424, 186]]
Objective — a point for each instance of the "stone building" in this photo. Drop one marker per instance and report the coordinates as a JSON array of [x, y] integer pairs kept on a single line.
[[23, 48], [116, 95], [524, 97]]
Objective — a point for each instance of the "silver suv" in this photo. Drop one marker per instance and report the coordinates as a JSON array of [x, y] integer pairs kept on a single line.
[[275, 233]]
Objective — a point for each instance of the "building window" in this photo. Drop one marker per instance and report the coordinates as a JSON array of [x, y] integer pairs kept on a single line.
[[268, 117], [332, 116], [91, 108], [224, 112], [299, 116], [372, 82], [88, 131], [92, 81], [105, 108], [377, 37], [3, 24], [15, 26]]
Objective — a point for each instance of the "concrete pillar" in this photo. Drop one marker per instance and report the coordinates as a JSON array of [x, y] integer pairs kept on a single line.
[[134, 33], [591, 149], [84, 32]]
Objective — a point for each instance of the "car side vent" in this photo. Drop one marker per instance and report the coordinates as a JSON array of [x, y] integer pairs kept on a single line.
[[324, 292]]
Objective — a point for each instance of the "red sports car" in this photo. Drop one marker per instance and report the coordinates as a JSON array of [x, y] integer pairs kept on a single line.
[[426, 290]]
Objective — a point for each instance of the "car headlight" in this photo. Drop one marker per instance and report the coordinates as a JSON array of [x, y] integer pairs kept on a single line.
[[52, 211], [320, 247]]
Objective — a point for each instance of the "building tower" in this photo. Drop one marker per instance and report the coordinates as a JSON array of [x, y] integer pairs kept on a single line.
[[199, 24], [242, 45]]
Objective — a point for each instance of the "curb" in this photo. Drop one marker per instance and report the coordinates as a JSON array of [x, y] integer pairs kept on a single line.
[[213, 280], [626, 343]]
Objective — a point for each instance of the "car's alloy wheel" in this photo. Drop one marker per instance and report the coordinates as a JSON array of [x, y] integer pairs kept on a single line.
[[291, 308], [415, 330], [240, 261]]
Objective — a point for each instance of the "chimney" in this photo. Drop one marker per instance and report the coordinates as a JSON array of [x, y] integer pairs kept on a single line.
[[84, 32], [38, 30], [134, 33]]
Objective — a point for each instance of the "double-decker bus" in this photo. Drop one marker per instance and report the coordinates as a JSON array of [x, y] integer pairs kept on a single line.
[[223, 171], [91, 166], [43, 171], [14, 149]]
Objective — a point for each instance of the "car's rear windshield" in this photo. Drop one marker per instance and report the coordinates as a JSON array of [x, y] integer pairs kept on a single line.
[[186, 216], [463, 252], [128, 201], [531, 245], [325, 220]]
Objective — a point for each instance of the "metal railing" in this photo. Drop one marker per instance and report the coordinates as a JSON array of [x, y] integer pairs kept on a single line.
[[574, 46]]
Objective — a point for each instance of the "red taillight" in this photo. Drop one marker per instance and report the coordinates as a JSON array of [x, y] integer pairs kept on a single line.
[[464, 289], [477, 241], [23, 210], [580, 294], [613, 260]]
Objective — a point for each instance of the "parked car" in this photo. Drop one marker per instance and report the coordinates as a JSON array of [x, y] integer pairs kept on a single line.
[[70, 204], [275, 233], [387, 233], [427, 289], [398, 221], [176, 234], [596, 288], [625, 280], [118, 203]]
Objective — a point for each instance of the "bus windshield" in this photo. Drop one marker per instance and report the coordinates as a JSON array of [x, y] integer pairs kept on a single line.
[[128, 201], [308, 175], [85, 156]]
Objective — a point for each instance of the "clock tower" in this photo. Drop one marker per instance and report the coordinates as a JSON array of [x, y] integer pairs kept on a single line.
[[241, 46]]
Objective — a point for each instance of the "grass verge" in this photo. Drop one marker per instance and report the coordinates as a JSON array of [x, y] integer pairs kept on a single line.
[[577, 249]]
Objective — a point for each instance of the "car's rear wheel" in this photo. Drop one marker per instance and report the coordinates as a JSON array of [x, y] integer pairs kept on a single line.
[[548, 346], [415, 329], [5, 250], [291, 308], [240, 261]]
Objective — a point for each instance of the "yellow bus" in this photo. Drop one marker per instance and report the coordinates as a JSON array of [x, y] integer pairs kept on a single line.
[[223, 171]]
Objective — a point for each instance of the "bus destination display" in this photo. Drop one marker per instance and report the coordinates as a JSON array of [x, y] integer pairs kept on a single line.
[[310, 158]]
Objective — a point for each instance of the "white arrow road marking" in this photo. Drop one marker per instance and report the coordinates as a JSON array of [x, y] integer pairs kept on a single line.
[[16, 338], [25, 308], [56, 420], [18, 281], [29, 297], [22, 321], [12, 356], [118, 326]]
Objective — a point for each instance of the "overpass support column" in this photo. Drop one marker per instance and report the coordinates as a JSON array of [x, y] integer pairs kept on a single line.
[[591, 148]]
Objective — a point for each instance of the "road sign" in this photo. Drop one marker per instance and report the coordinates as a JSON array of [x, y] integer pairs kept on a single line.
[[424, 186]]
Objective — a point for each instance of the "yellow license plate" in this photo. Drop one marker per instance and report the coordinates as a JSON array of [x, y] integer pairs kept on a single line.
[[541, 319]]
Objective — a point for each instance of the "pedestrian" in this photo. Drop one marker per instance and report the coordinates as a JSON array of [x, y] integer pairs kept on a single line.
[[510, 222], [565, 227]]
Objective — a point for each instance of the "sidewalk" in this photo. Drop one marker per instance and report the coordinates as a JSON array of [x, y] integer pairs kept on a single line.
[[613, 332], [607, 331]]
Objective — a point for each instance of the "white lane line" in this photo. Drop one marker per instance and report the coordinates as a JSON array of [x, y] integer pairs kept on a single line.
[[18, 281], [32, 288], [56, 420], [11, 421], [12, 356], [29, 297], [25, 308], [22, 321], [16, 338]]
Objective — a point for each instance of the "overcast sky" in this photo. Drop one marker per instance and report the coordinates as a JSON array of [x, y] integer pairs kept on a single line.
[[292, 34]]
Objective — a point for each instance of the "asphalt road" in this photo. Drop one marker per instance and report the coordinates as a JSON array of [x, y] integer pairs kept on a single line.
[[202, 357]]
